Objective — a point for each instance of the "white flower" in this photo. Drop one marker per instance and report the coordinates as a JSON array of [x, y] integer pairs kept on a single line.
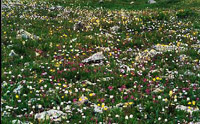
[[188, 99], [117, 116], [165, 120], [39, 106], [126, 117], [131, 116], [159, 97], [159, 118], [145, 116]]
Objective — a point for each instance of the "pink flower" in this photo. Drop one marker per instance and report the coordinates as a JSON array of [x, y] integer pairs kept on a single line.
[[74, 100], [147, 91], [144, 80], [132, 97], [81, 64], [110, 87]]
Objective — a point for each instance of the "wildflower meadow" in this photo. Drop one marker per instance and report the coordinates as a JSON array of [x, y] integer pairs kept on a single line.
[[100, 61]]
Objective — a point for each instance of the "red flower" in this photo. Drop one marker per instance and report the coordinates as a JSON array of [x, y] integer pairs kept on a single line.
[[147, 91]]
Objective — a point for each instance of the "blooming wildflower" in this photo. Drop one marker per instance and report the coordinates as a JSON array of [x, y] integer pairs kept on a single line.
[[103, 104], [193, 102], [91, 94], [17, 96], [170, 93], [157, 78], [39, 106], [130, 103], [189, 103]]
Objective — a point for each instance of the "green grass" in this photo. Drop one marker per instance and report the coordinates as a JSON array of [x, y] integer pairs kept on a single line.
[[58, 65]]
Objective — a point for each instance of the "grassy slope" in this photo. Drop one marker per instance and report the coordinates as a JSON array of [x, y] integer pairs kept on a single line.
[[28, 50]]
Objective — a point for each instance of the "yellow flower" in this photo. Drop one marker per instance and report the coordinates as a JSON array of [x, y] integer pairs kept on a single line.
[[130, 103], [97, 21], [52, 70], [64, 85], [193, 102], [64, 35], [157, 78], [194, 33], [31, 91], [166, 99], [91, 94], [40, 80], [189, 103], [62, 97], [79, 99], [59, 84], [17, 96], [189, 107], [154, 79], [57, 65], [105, 108], [98, 104], [178, 44], [102, 105], [170, 93]]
